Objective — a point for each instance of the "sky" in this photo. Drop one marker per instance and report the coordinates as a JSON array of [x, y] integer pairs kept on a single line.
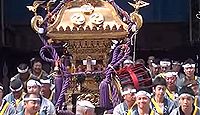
[[15, 11]]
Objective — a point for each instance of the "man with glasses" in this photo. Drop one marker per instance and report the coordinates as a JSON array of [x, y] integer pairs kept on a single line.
[[126, 107]]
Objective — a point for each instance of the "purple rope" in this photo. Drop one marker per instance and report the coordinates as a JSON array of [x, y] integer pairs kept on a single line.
[[42, 50], [105, 101], [65, 85], [58, 82], [56, 9], [43, 39], [121, 54], [115, 96], [120, 10]]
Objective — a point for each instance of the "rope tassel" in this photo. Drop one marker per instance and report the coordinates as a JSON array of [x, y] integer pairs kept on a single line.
[[105, 95]]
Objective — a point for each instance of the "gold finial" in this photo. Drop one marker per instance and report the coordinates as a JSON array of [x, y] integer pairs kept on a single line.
[[139, 4], [35, 5], [48, 5], [135, 16]]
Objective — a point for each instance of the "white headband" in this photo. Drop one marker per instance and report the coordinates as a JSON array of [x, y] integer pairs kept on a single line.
[[176, 63], [188, 65], [85, 103], [1, 87], [165, 63], [47, 81], [186, 94], [143, 93], [22, 71], [128, 62], [33, 83], [128, 91], [31, 99], [16, 90], [170, 74], [154, 65]]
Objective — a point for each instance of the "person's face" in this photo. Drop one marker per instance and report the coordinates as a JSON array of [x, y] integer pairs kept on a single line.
[[33, 89], [17, 94], [171, 81], [155, 70], [37, 67], [45, 88], [176, 67], [89, 112], [1, 94], [130, 97], [195, 88], [150, 59], [142, 101], [164, 69], [32, 106], [186, 102], [159, 91], [189, 71], [24, 76]]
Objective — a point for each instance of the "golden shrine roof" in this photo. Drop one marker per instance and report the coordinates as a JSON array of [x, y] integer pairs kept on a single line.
[[94, 19]]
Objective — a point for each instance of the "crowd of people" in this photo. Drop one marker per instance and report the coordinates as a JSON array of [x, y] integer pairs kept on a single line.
[[32, 92], [174, 91]]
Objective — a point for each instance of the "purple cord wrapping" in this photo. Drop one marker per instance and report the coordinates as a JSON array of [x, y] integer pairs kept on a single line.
[[105, 85], [120, 11], [105, 100], [42, 50], [115, 96], [58, 86], [42, 39], [115, 54], [55, 10], [65, 85], [121, 54]]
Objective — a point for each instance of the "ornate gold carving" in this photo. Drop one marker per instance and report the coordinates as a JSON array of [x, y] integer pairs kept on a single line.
[[93, 97], [97, 18], [35, 23], [78, 19], [139, 4], [79, 3], [87, 9], [135, 17], [35, 5], [98, 22]]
